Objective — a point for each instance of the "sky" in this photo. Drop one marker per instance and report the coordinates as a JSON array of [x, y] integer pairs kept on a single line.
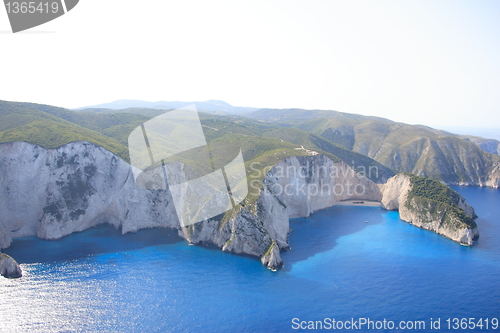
[[420, 62]]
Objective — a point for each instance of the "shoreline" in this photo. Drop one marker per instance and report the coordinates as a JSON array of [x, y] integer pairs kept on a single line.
[[364, 203]]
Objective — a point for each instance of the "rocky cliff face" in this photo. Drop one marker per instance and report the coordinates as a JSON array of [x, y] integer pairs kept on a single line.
[[53, 193], [294, 187], [429, 214], [395, 192], [299, 186], [488, 145], [5, 237], [310, 183], [494, 177]]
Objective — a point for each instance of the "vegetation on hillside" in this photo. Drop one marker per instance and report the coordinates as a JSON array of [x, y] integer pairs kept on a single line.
[[376, 143], [52, 127], [432, 189], [418, 149], [446, 200], [31, 123]]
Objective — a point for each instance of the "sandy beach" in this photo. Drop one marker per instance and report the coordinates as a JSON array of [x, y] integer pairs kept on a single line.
[[358, 203]]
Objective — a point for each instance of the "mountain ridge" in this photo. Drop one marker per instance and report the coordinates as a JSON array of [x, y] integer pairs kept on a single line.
[[360, 141], [419, 149]]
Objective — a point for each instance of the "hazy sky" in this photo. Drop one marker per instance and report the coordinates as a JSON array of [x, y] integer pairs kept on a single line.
[[429, 62]]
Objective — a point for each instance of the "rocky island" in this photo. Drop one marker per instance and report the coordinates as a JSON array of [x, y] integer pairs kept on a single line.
[[431, 205]]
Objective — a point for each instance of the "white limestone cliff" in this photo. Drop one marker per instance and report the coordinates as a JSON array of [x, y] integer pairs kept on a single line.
[[52, 193], [300, 185], [295, 186], [310, 183], [272, 258], [395, 192]]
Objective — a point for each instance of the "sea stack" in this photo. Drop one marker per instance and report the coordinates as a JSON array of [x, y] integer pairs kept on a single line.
[[9, 268]]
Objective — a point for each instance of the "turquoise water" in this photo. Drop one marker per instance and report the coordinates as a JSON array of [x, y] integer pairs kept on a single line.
[[345, 262]]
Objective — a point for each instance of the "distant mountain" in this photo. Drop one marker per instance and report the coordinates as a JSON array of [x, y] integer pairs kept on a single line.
[[211, 106], [484, 132]]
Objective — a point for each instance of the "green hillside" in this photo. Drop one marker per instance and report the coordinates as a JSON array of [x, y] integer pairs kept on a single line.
[[444, 198], [366, 143], [399, 147], [42, 125], [259, 141], [244, 131], [310, 141]]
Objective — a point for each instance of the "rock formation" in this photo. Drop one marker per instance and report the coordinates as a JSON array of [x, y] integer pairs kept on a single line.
[[488, 145], [299, 186], [9, 268], [424, 212], [5, 237]]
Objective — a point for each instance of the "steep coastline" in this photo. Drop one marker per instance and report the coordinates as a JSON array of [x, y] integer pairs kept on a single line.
[[452, 219], [81, 185], [299, 186]]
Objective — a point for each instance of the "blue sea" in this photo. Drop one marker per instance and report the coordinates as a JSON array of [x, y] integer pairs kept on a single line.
[[349, 264]]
